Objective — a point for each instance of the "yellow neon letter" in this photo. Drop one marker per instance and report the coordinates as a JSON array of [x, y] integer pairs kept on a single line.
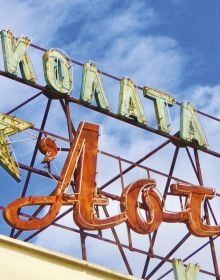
[[161, 103], [9, 126], [92, 86], [57, 72], [182, 273], [15, 53], [190, 127], [129, 103]]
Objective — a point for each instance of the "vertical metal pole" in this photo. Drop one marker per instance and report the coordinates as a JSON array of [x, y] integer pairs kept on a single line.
[[119, 244], [211, 241], [83, 244], [168, 255], [164, 197], [70, 126]]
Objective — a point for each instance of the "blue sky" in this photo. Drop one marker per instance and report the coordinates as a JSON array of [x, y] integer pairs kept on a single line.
[[172, 45], [194, 25]]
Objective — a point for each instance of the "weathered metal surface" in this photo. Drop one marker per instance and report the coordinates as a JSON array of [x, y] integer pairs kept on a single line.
[[161, 103], [57, 73], [190, 126], [6, 158], [149, 253], [15, 55], [9, 126], [195, 198], [151, 203], [92, 87], [48, 147], [85, 146], [81, 162], [190, 272], [129, 105]]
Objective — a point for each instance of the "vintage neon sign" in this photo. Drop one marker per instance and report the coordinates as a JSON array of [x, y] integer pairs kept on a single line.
[[82, 156], [10, 126], [81, 162], [181, 272], [58, 76]]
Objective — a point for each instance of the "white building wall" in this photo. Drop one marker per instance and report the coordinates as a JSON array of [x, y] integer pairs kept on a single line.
[[24, 261]]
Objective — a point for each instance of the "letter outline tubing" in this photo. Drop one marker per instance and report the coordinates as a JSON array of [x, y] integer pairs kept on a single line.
[[85, 187], [195, 198], [15, 53], [92, 87], [161, 103], [190, 127], [151, 202], [57, 73], [84, 150], [81, 163], [129, 105], [9, 126], [182, 273]]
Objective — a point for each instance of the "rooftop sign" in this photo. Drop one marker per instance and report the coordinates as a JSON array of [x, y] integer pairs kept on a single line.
[[82, 155], [59, 79], [141, 207], [82, 159]]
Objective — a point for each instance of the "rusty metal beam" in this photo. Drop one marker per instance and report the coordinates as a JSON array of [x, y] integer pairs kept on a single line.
[[24, 103], [46, 133], [168, 255], [70, 125], [164, 197], [119, 244], [133, 164], [192, 162], [83, 244], [34, 155], [212, 246], [119, 79], [91, 235], [171, 138]]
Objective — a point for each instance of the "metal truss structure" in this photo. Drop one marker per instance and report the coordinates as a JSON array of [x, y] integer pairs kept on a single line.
[[150, 258]]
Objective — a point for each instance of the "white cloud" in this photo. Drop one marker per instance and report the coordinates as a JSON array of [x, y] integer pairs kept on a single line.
[[39, 20], [119, 42], [150, 61], [206, 99]]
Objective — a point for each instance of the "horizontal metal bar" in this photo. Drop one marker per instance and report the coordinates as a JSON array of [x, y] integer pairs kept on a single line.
[[174, 138], [119, 79]]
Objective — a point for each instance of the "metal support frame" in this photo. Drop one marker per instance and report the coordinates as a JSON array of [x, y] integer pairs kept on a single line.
[[122, 246]]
